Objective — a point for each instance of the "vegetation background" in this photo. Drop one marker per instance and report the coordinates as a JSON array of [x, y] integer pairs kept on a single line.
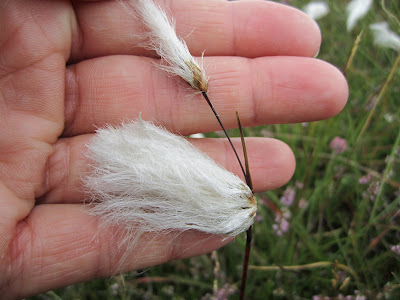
[[333, 232]]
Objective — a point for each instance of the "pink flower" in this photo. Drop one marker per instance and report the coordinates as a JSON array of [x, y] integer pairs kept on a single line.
[[288, 197], [338, 145], [395, 249], [373, 190], [282, 224], [221, 294], [303, 203], [285, 225], [259, 219], [365, 179], [299, 185]]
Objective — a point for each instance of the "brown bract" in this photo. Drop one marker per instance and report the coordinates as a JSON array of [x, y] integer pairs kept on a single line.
[[199, 81]]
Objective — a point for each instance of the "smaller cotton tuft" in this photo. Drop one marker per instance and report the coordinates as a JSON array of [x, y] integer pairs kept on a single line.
[[146, 179], [316, 9], [356, 9], [384, 37], [163, 39]]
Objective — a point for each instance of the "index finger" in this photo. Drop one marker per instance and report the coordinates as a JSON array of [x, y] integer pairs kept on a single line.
[[218, 27]]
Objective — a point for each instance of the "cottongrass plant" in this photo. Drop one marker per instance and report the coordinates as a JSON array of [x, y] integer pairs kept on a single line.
[[125, 194], [146, 179], [343, 238]]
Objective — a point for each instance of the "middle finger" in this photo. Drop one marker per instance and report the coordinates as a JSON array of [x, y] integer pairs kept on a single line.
[[264, 90]]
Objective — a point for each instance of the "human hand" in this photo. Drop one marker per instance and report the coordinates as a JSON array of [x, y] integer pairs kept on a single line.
[[67, 68]]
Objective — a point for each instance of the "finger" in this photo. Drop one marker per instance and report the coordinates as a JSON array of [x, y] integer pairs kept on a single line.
[[34, 43], [263, 90], [249, 28], [271, 164], [77, 250], [12, 209]]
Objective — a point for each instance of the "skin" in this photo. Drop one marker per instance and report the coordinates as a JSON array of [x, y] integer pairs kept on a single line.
[[66, 69]]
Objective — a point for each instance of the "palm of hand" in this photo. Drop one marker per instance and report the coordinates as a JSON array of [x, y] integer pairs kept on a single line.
[[49, 110]]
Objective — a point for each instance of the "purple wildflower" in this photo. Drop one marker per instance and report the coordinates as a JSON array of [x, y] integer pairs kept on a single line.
[[282, 224], [365, 179], [222, 294], [285, 225], [373, 190], [338, 145], [395, 249], [341, 276], [220, 133], [299, 185], [288, 197], [303, 203], [259, 219]]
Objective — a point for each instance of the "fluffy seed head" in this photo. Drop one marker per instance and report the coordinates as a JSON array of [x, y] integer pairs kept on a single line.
[[145, 178], [385, 37], [316, 9], [163, 39], [356, 9]]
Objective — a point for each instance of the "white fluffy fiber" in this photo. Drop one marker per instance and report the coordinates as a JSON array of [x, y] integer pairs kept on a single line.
[[163, 39], [316, 9], [357, 9], [385, 37], [145, 178]]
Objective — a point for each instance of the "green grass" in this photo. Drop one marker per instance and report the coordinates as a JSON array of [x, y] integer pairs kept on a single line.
[[346, 229]]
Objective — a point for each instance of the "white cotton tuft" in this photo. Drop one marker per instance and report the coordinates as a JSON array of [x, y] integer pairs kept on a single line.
[[316, 9], [167, 44], [146, 179], [356, 9], [384, 37]]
